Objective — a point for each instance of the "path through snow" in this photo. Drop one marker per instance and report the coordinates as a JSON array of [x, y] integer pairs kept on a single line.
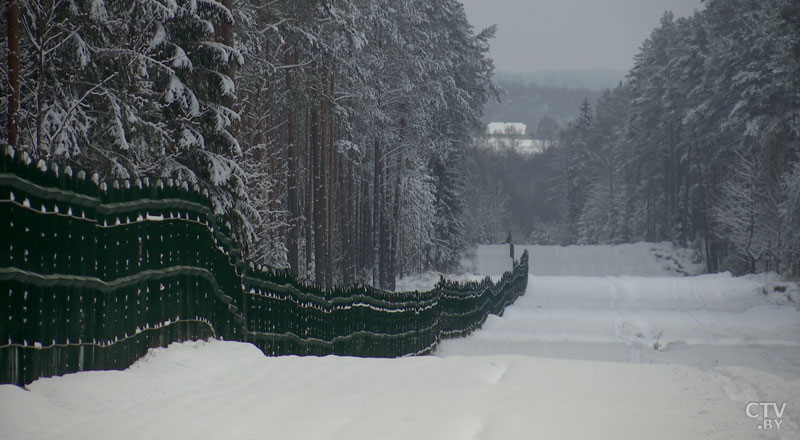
[[633, 304]]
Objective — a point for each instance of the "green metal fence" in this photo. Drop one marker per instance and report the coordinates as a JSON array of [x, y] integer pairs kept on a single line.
[[98, 272]]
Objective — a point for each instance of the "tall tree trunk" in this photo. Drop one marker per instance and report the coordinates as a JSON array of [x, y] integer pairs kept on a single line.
[[395, 230], [687, 226], [386, 278], [710, 268], [385, 242], [12, 19], [350, 226], [320, 205], [352, 217], [362, 206], [224, 29], [331, 190], [393, 223], [310, 190], [367, 250], [293, 169], [377, 178], [337, 264], [272, 162]]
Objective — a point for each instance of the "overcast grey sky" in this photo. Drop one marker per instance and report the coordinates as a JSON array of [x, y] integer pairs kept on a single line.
[[538, 35]]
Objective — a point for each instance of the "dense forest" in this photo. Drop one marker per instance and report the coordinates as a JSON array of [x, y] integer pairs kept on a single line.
[[330, 133], [510, 193], [700, 144]]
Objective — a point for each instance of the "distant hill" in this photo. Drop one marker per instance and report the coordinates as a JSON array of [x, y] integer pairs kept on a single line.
[[530, 103], [592, 79], [557, 94]]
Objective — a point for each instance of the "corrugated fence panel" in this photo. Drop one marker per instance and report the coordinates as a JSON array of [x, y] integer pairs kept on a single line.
[[96, 273]]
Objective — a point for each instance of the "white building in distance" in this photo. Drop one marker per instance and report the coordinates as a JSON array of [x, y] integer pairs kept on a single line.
[[507, 128], [511, 136]]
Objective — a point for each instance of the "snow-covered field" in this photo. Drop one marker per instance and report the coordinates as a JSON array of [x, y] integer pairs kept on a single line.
[[607, 343]]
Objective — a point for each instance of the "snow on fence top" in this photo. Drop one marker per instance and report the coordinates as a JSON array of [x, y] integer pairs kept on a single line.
[[97, 273]]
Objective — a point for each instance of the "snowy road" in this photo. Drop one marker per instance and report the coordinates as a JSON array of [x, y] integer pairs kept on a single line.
[[572, 310], [687, 354], [633, 304], [700, 321]]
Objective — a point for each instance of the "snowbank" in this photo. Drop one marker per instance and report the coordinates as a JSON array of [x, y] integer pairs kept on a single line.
[[213, 390]]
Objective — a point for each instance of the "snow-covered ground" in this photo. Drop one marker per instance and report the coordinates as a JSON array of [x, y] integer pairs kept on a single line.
[[607, 343], [699, 321], [656, 316], [230, 390]]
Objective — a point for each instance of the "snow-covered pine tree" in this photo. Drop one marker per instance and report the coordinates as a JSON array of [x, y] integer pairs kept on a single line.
[[603, 218], [710, 140], [466, 86], [198, 91], [260, 101], [131, 89]]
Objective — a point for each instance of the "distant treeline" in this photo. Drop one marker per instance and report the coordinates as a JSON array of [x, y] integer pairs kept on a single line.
[[592, 79], [509, 192], [533, 105], [540, 99]]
